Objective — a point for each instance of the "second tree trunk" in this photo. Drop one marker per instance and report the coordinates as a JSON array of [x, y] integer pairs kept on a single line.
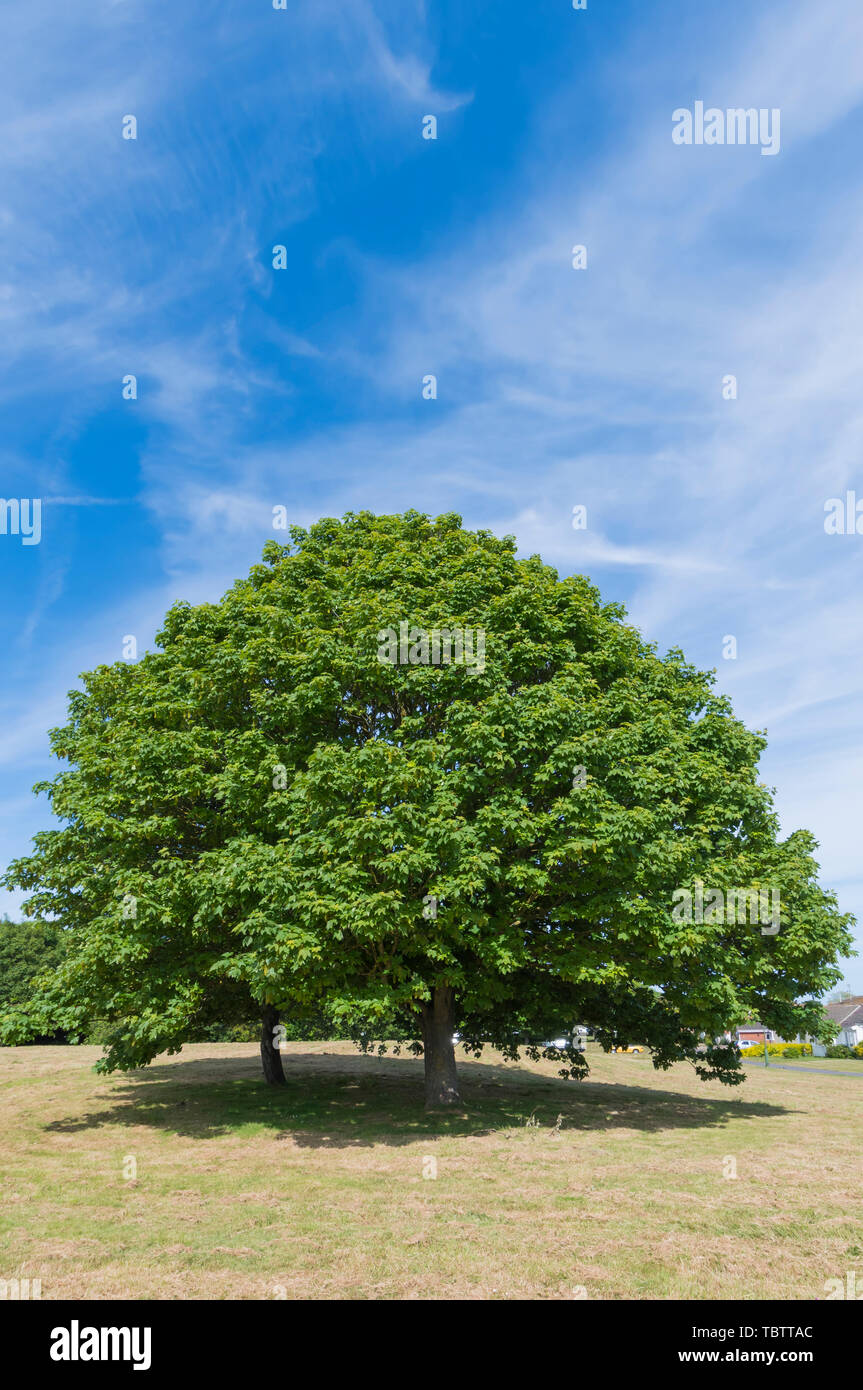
[[271, 1057]]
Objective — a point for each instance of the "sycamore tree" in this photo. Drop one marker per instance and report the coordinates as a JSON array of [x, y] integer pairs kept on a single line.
[[404, 780]]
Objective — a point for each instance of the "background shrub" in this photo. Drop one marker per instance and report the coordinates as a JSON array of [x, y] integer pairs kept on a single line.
[[780, 1050]]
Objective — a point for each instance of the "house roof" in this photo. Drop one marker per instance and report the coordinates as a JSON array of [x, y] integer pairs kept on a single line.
[[847, 1015]]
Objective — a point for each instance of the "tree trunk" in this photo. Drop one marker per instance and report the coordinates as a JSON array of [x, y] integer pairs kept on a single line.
[[438, 1024], [271, 1057]]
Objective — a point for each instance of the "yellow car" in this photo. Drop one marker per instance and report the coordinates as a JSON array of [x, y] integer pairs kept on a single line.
[[629, 1049]]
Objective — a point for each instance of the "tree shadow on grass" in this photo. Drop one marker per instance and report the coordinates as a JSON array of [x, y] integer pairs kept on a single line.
[[338, 1101]]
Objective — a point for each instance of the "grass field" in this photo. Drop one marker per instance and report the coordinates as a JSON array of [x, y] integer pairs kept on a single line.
[[544, 1188]]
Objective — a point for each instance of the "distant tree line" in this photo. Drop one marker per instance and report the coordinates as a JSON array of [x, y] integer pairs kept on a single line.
[[28, 950]]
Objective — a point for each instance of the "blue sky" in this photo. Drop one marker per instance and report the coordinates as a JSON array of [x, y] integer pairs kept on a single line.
[[406, 257]]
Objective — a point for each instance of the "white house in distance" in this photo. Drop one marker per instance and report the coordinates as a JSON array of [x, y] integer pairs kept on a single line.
[[848, 1017], [755, 1032]]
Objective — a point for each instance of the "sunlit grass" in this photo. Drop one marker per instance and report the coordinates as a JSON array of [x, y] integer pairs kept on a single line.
[[616, 1185]]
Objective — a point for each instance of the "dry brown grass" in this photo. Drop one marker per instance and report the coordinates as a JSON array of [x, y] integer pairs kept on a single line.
[[543, 1187]]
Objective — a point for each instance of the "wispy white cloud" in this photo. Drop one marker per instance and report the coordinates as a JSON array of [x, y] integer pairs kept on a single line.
[[556, 387]]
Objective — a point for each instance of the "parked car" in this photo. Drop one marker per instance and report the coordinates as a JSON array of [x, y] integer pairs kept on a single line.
[[630, 1049], [576, 1042], [572, 1040]]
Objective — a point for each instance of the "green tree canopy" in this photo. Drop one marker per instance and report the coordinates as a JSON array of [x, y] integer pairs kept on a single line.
[[276, 808]]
